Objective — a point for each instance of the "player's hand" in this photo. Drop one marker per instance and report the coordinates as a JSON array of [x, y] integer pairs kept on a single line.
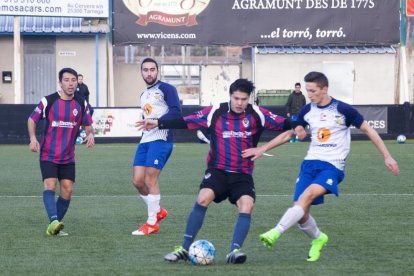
[[34, 145], [392, 165], [254, 153], [90, 140], [300, 132], [146, 124]]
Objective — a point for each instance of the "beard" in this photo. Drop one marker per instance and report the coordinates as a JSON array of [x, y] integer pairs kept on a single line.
[[150, 82]]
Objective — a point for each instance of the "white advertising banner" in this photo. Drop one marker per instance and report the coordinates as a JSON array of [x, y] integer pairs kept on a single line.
[[68, 8], [116, 122]]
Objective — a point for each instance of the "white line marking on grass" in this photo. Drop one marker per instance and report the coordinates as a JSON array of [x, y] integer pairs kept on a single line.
[[172, 196]]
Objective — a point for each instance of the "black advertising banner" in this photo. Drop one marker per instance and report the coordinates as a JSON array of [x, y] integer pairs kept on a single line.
[[256, 22]]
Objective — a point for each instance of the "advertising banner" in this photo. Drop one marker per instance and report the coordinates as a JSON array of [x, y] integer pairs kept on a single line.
[[375, 116], [410, 7], [69, 8], [256, 22], [116, 122]]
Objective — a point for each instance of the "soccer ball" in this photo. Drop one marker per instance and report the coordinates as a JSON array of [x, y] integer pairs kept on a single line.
[[201, 252], [79, 140], [401, 139]]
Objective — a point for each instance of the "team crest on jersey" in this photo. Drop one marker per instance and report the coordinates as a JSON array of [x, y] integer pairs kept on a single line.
[[323, 134], [207, 175], [245, 122], [157, 96], [75, 112], [339, 119]]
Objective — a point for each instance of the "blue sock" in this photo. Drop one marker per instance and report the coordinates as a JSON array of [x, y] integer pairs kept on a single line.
[[50, 204], [62, 206], [194, 223], [240, 230]]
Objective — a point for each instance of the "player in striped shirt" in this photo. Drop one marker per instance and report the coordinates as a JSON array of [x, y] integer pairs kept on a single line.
[[159, 101], [233, 127], [62, 114], [322, 170]]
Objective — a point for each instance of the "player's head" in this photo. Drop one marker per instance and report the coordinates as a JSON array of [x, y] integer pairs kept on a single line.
[[68, 80], [240, 92], [149, 71], [317, 88]]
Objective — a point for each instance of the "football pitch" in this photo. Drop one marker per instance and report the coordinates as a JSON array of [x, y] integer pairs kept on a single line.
[[370, 225]]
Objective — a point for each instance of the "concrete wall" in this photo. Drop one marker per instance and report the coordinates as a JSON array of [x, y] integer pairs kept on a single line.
[[375, 74], [6, 64], [128, 84], [83, 61]]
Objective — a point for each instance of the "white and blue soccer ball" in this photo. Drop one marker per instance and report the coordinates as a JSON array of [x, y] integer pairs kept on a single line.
[[201, 252], [79, 140], [401, 139]]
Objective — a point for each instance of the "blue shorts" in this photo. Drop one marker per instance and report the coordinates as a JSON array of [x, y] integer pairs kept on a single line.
[[318, 172], [153, 154]]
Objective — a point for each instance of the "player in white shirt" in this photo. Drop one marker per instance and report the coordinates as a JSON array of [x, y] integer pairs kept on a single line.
[[159, 101], [323, 167]]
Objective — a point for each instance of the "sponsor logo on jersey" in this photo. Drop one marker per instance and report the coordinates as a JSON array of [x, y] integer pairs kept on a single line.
[[236, 134], [207, 175], [64, 124], [323, 134], [148, 109]]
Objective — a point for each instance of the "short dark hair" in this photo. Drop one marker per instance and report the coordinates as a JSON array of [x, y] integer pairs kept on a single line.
[[67, 70], [297, 84], [148, 59], [317, 77], [243, 85], [80, 75]]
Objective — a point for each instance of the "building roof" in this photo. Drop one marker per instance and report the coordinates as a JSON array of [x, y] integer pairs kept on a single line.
[[325, 50], [38, 24]]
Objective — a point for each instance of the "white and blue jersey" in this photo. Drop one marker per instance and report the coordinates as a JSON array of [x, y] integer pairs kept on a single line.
[[330, 133], [160, 101]]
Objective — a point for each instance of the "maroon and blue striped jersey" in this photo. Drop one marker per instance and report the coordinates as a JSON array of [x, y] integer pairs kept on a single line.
[[61, 122], [231, 133]]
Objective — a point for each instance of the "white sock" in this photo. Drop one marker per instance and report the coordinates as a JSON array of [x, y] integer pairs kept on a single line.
[[290, 218], [310, 228], [153, 208], [144, 198]]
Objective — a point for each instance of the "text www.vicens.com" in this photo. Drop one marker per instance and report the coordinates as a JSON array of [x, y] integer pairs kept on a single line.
[[166, 36]]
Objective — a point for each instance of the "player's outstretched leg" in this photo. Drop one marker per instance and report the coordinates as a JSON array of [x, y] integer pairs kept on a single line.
[[179, 253], [270, 237], [317, 245], [236, 257]]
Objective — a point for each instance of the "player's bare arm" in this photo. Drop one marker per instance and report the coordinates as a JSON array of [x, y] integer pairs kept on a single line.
[[90, 139], [31, 127], [390, 163], [300, 132], [258, 152]]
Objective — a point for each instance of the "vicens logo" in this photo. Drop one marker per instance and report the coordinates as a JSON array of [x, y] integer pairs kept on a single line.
[[323, 134], [237, 134], [168, 13], [64, 124]]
